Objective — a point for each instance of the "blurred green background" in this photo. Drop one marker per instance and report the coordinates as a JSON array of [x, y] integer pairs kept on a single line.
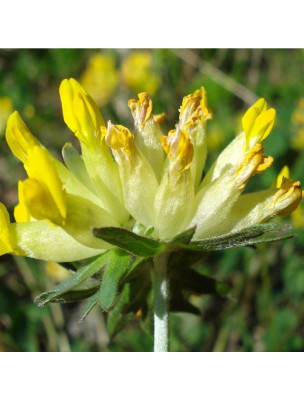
[[265, 311]]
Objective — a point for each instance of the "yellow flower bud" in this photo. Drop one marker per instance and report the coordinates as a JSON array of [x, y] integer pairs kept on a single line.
[[80, 112]]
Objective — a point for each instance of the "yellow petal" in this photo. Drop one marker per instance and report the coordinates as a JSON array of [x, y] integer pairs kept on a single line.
[[252, 113], [258, 122], [38, 202], [19, 137], [141, 109], [6, 240], [287, 198], [284, 173], [193, 115], [42, 196], [137, 177], [21, 211], [194, 110], [253, 162], [179, 149], [121, 141], [80, 112], [148, 132]]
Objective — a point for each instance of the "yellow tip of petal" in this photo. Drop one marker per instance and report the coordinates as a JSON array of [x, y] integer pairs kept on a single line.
[[141, 109], [179, 149], [253, 163], [284, 173], [80, 112], [121, 141], [258, 122], [19, 137], [194, 110], [288, 196]]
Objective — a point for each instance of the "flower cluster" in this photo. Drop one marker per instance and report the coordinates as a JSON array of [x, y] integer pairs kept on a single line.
[[146, 182]]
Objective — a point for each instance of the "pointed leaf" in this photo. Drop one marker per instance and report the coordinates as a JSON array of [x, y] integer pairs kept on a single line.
[[80, 276], [185, 237], [91, 303], [116, 270], [129, 241], [76, 294], [117, 318], [245, 237], [133, 298]]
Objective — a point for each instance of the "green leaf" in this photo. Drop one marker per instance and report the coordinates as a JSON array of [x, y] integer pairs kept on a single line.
[[133, 297], [76, 294], [118, 267], [129, 241], [91, 303], [79, 277], [253, 242], [117, 317], [244, 237]]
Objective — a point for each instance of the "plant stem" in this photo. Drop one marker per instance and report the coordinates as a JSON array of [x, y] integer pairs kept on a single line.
[[161, 303]]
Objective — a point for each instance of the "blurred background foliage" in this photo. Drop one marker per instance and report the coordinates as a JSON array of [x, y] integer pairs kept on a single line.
[[265, 311]]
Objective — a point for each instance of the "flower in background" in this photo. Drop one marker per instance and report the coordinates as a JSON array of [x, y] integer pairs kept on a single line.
[[100, 78], [6, 108], [145, 182], [137, 72], [298, 123], [56, 272]]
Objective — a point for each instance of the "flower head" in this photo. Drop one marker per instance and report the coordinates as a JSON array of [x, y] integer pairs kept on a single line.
[[135, 194], [143, 178]]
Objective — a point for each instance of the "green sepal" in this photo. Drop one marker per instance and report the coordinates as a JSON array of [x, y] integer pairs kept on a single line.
[[184, 237], [79, 277], [131, 300], [78, 294], [117, 317], [119, 266], [245, 237], [129, 241]]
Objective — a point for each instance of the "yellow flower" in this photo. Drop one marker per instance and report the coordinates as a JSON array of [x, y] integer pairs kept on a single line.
[[297, 118], [100, 78], [137, 72], [144, 181]]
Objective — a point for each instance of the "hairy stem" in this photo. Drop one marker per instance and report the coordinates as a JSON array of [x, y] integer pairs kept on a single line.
[[161, 303]]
